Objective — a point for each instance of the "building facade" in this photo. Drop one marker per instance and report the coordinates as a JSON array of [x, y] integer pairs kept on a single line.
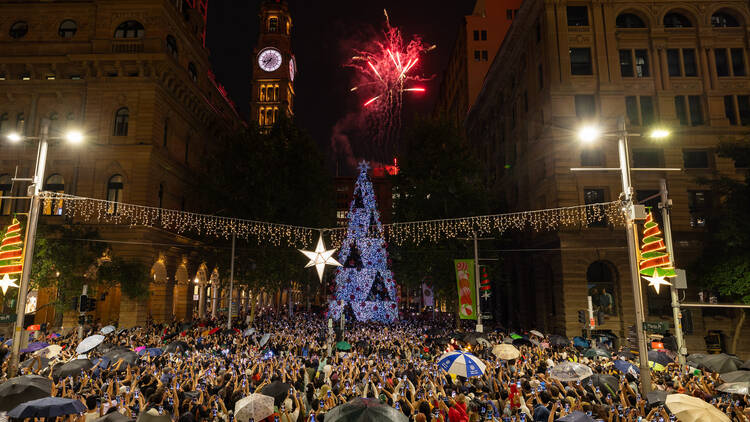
[[678, 64], [135, 78], [479, 37], [274, 67]]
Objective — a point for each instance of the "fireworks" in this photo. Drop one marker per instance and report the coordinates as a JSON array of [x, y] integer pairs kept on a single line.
[[385, 70]]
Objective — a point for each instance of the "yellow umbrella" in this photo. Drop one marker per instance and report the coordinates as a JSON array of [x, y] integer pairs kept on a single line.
[[692, 409]]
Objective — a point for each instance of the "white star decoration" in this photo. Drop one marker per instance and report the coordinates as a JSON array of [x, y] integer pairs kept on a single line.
[[6, 282], [486, 295], [657, 281], [320, 257]]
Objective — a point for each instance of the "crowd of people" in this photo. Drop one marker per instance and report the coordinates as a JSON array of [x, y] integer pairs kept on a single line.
[[311, 369]]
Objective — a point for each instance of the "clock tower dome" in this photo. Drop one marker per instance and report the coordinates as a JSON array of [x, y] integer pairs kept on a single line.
[[274, 66]]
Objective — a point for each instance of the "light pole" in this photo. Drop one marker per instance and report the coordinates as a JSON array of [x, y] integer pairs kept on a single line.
[[37, 182], [589, 134]]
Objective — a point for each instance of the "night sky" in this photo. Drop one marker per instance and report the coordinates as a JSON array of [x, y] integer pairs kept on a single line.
[[323, 34]]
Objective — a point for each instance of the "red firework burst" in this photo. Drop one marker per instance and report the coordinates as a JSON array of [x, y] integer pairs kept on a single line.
[[385, 70]]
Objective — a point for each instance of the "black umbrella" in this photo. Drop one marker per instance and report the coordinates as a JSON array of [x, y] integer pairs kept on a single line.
[[278, 390], [522, 342], [736, 376], [606, 383], [721, 363], [576, 416], [695, 359], [32, 363], [22, 389], [47, 407], [107, 347], [153, 416], [128, 357], [656, 397], [659, 357], [746, 365], [113, 417], [472, 338], [177, 347], [364, 410], [72, 368], [558, 340], [626, 353]]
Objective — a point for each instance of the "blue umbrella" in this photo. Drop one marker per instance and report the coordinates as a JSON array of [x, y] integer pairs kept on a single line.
[[153, 351], [48, 407], [461, 363], [579, 341], [33, 347], [626, 367]]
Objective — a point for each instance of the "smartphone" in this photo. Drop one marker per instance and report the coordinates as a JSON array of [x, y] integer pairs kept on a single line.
[[276, 418], [329, 391], [453, 394], [397, 406], [322, 404]]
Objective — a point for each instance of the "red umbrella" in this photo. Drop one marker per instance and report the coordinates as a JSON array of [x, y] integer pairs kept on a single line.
[[213, 330]]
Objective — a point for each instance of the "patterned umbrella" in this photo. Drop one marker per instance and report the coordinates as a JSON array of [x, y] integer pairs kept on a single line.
[[107, 329], [254, 406], [570, 371], [365, 410], [89, 343], [461, 363]]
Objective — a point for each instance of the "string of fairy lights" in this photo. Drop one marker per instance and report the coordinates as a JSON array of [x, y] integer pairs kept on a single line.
[[417, 232]]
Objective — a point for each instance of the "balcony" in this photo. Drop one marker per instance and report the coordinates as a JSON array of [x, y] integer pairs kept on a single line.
[[127, 46]]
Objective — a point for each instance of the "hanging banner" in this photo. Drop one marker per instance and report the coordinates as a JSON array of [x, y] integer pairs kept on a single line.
[[485, 294], [428, 300], [467, 300]]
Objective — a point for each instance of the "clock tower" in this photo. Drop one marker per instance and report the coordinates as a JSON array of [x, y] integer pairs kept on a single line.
[[274, 66]]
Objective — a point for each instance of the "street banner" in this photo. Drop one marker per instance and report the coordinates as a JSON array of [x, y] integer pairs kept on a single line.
[[485, 294], [427, 297], [467, 300]]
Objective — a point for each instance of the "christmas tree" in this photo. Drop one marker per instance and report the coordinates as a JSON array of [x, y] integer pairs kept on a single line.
[[364, 283]]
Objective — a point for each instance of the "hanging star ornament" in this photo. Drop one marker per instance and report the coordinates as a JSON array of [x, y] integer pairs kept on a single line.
[[657, 281], [6, 282], [320, 257]]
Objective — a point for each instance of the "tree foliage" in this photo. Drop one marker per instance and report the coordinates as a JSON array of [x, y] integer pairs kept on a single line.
[[132, 276]]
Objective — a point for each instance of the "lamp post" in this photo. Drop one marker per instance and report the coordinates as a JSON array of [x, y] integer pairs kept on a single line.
[[34, 189], [589, 134]]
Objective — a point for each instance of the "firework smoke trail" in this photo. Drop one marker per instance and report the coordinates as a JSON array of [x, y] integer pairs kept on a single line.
[[385, 70]]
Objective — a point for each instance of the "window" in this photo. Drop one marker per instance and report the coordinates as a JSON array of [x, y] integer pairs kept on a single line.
[[585, 106], [729, 109], [485, 55], [676, 20], [484, 35], [592, 157], [743, 101], [114, 193], [476, 35], [578, 16], [56, 184], [509, 14], [640, 110], [723, 20], [172, 45], [6, 186], [698, 204], [130, 29], [3, 123], [673, 62], [688, 57], [20, 123], [681, 109], [122, 116], [693, 110], [273, 24], [477, 55], [67, 29], [595, 215], [18, 30], [580, 61], [695, 159], [192, 72], [600, 284], [629, 20], [738, 61], [722, 62], [626, 64], [641, 64], [646, 158], [165, 135]]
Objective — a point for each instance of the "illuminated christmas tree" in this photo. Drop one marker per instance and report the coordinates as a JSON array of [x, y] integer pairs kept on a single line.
[[364, 283], [655, 264]]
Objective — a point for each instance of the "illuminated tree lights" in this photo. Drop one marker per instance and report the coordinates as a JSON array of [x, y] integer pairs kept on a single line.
[[365, 288], [417, 232], [655, 264]]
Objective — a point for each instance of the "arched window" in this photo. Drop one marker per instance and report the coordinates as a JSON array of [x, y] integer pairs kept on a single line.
[[18, 29], [114, 193], [130, 29], [273, 24], [192, 71], [600, 284], [6, 186], [67, 29], [722, 19], [172, 45], [56, 184], [629, 20], [122, 116], [676, 20]]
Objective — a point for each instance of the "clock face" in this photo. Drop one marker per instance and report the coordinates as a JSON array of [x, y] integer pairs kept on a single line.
[[269, 59], [292, 68]]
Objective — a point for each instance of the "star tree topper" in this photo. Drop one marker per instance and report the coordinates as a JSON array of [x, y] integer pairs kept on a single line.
[[6, 282], [657, 281], [320, 257]]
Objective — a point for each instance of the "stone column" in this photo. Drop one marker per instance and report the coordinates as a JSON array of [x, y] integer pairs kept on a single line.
[[160, 302], [201, 300], [214, 300], [133, 312], [183, 297]]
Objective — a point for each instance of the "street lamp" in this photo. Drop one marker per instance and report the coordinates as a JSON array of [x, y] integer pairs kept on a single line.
[[589, 134], [34, 189]]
